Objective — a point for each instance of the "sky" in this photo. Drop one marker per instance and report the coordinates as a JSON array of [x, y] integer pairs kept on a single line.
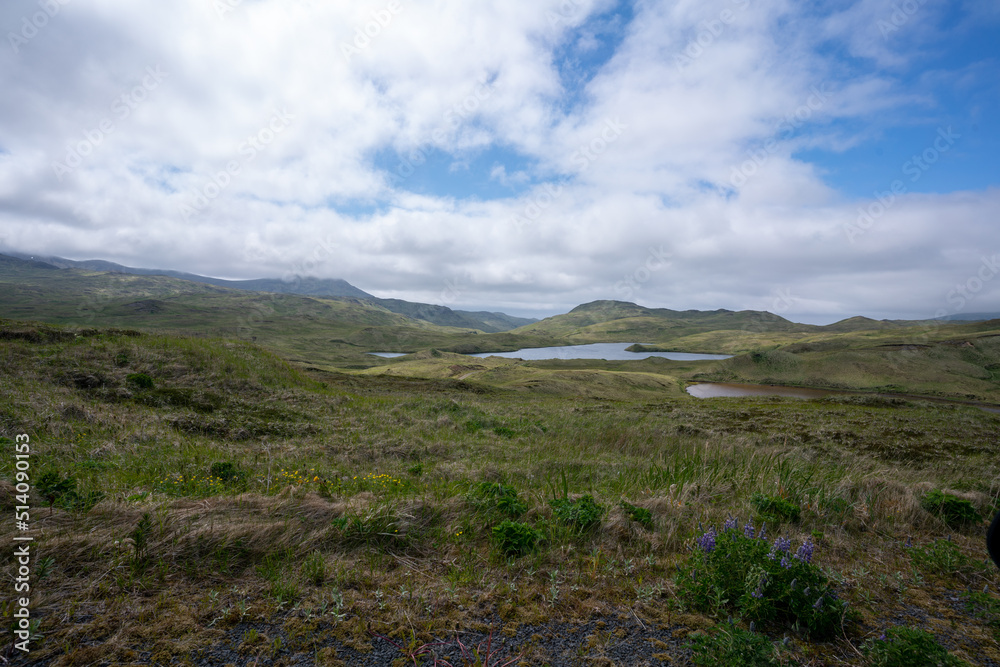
[[818, 160]]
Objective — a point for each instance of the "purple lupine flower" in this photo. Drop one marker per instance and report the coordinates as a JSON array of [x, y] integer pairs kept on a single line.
[[819, 603], [781, 545], [909, 542], [759, 592], [785, 563], [748, 531], [730, 523], [707, 541], [763, 526], [805, 552]]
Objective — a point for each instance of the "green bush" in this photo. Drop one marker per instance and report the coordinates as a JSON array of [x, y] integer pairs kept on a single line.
[[226, 471], [774, 509], [139, 380], [496, 497], [734, 570], [62, 491], [909, 647], [731, 646], [951, 509], [53, 488], [640, 515], [513, 538], [582, 513]]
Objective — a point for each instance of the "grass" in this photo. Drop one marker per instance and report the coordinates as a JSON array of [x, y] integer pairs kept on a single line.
[[295, 501]]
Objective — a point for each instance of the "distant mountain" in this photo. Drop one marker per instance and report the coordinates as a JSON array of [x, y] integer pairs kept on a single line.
[[621, 320], [304, 286], [444, 316], [320, 287], [864, 324], [974, 317]]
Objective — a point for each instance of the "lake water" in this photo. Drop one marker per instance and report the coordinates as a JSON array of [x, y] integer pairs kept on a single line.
[[733, 390], [607, 351]]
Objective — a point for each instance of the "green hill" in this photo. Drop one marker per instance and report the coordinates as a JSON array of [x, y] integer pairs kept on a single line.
[[307, 286], [618, 321]]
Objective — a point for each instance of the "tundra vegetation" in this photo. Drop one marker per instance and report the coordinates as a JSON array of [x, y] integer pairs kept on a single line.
[[205, 499]]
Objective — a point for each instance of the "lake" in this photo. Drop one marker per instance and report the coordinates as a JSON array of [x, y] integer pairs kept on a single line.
[[606, 351], [734, 390]]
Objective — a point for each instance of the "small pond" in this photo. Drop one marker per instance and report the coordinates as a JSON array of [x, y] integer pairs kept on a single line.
[[606, 351], [734, 390]]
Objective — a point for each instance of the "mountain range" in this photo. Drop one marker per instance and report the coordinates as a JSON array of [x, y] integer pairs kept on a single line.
[[488, 322]]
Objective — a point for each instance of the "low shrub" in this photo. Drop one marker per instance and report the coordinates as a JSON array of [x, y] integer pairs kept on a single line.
[[740, 571], [775, 509], [514, 538], [139, 380], [640, 515], [954, 511], [57, 490], [493, 496], [226, 471], [582, 514], [902, 646]]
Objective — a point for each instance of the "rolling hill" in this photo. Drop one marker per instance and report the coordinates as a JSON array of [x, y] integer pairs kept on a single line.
[[308, 286]]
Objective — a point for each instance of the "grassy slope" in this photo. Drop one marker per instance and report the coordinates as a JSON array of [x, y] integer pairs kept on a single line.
[[367, 478], [954, 361], [321, 332], [616, 321]]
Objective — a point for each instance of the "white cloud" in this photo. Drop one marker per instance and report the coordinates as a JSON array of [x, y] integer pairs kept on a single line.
[[695, 93]]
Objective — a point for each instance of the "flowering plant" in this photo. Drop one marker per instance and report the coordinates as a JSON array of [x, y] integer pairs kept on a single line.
[[765, 581]]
